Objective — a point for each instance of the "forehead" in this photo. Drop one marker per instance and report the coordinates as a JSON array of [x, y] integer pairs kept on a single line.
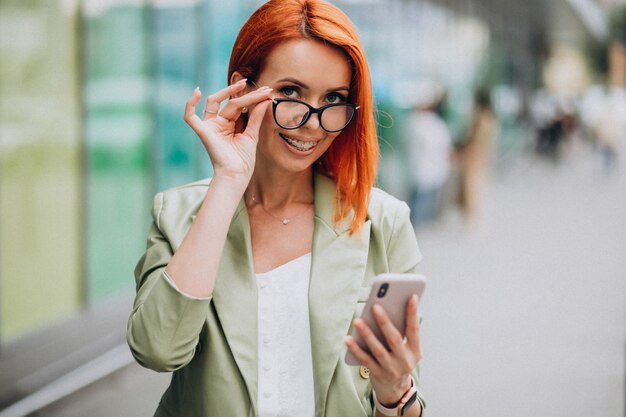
[[311, 62]]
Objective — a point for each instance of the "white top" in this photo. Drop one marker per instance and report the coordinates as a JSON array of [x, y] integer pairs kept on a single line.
[[285, 367]]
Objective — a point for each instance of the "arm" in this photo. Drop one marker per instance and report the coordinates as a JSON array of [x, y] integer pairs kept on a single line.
[[193, 267], [174, 288]]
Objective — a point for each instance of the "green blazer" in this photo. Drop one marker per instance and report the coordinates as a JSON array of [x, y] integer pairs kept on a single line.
[[210, 344]]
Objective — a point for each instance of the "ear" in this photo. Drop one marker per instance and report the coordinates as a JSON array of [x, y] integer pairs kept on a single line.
[[236, 76]]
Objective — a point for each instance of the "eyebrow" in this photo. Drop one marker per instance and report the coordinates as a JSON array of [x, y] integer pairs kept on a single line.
[[303, 85]]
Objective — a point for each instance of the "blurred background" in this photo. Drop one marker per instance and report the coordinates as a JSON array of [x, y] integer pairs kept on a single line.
[[502, 123]]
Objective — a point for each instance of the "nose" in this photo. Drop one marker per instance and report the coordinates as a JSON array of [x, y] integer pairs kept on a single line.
[[314, 122]]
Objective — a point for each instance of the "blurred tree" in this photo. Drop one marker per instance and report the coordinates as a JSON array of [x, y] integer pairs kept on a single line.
[[598, 52], [617, 48], [617, 26]]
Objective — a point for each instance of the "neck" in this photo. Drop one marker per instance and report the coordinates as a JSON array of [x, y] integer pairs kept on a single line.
[[280, 189]]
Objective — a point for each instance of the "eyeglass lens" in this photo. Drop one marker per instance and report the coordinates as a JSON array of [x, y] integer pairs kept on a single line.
[[292, 114]]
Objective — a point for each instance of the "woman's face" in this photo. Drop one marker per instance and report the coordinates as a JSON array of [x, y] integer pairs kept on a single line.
[[308, 71]]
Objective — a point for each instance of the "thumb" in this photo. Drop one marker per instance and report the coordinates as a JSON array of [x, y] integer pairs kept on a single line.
[[255, 119]]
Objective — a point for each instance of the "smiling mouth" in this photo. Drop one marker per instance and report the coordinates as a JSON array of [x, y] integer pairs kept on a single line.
[[298, 144]]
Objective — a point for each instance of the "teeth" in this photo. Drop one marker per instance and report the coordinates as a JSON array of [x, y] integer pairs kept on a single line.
[[298, 144]]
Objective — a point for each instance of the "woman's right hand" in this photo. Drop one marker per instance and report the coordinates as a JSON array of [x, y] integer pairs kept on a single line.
[[232, 154]]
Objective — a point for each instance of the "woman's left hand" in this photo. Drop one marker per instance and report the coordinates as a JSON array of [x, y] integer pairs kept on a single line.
[[389, 369]]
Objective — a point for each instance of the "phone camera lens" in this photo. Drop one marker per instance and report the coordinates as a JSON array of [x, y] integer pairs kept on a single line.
[[383, 290]]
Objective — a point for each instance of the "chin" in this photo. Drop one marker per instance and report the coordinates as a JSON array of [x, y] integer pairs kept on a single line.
[[297, 166]]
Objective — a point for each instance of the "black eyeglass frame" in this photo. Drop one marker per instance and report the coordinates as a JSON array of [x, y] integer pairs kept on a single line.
[[312, 110]]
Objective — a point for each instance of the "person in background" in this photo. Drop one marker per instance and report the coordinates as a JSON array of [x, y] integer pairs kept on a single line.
[[474, 158], [603, 111], [252, 280], [430, 150]]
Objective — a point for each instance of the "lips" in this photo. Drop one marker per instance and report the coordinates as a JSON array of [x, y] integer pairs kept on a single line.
[[300, 145]]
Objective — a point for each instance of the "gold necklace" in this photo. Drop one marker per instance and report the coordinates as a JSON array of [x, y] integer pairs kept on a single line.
[[285, 221]]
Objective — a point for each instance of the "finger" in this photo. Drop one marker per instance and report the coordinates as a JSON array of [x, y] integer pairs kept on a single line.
[[413, 327], [214, 100], [209, 114], [190, 116], [256, 118], [362, 356], [233, 109], [394, 338], [403, 357], [378, 351]]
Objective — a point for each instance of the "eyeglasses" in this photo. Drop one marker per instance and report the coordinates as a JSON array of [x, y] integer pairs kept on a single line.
[[291, 114]]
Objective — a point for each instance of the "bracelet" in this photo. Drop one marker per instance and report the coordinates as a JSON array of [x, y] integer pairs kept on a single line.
[[404, 404]]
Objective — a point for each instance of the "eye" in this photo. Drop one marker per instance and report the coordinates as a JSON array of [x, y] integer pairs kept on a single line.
[[289, 91], [334, 98]]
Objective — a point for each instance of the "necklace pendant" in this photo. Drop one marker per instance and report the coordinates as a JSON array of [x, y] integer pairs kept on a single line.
[[285, 222]]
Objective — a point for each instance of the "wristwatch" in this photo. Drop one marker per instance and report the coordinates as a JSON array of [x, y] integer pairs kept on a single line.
[[404, 404]]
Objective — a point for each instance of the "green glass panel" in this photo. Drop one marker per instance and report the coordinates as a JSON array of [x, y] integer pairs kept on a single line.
[[40, 217], [117, 127], [177, 45]]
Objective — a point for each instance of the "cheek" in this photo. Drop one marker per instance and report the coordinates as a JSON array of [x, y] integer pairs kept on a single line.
[[329, 141]]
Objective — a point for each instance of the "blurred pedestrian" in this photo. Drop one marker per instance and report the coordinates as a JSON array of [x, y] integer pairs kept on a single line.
[[548, 116], [474, 158], [603, 110], [430, 150], [252, 280]]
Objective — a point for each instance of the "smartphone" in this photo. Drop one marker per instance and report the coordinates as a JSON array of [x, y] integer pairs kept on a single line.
[[392, 292]]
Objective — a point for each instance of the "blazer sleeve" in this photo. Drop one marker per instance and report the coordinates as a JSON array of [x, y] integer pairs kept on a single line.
[[165, 324]]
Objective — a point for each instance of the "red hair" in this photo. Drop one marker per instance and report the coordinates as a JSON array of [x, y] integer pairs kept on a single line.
[[352, 159]]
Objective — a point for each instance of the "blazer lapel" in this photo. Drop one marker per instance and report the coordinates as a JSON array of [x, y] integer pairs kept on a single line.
[[235, 299], [337, 271]]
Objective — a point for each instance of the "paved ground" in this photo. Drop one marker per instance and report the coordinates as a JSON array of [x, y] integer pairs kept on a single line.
[[527, 316], [524, 316]]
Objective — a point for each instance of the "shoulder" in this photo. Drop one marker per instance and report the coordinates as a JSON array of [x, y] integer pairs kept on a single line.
[[385, 208], [392, 232], [192, 192], [383, 201], [182, 201]]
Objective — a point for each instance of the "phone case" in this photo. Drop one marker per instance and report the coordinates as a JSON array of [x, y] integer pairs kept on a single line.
[[392, 292]]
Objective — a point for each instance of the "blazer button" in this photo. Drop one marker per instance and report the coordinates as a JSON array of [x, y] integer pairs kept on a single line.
[[364, 372]]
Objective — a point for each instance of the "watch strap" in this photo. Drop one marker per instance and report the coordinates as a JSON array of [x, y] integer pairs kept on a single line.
[[405, 402]]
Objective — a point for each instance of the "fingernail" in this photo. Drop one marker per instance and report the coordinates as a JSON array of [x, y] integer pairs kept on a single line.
[[197, 89], [243, 80], [377, 309]]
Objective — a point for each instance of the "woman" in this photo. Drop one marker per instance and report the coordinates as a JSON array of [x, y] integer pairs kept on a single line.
[[475, 158], [251, 280]]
